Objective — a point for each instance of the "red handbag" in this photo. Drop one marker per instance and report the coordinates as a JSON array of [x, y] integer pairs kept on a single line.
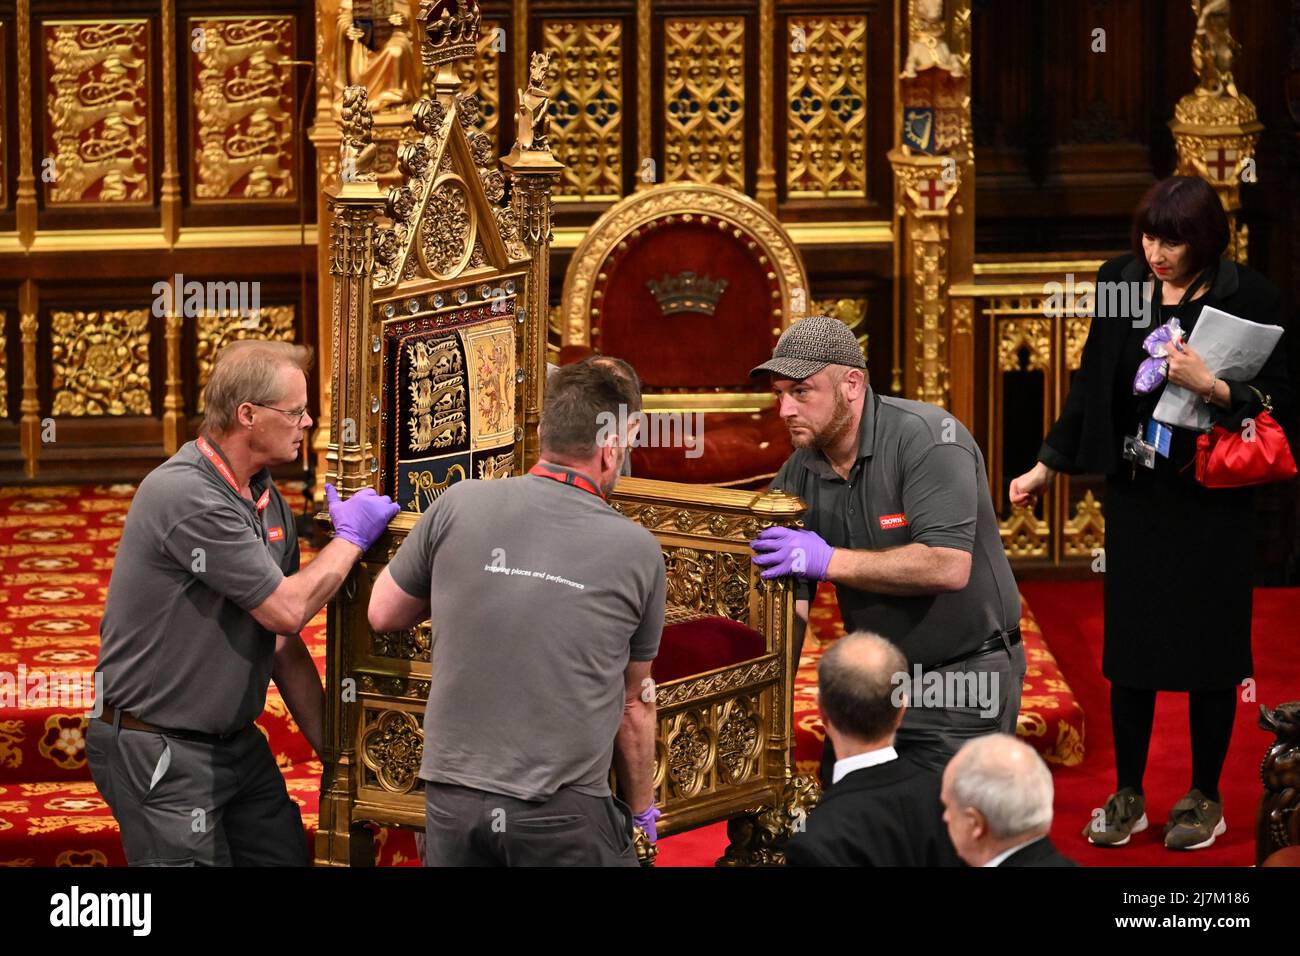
[[1228, 459]]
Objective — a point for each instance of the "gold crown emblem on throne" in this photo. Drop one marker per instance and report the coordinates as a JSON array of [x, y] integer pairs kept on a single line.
[[449, 36], [687, 292]]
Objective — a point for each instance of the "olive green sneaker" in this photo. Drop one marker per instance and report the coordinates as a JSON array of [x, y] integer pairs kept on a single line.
[[1194, 822], [1123, 815]]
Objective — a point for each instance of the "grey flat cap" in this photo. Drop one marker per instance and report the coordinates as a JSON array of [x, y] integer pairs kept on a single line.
[[811, 344]]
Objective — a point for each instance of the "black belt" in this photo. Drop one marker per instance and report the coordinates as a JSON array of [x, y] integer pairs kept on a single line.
[[110, 715], [992, 644]]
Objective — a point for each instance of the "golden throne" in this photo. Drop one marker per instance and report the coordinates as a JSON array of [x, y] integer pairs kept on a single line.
[[692, 284], [438, 292]]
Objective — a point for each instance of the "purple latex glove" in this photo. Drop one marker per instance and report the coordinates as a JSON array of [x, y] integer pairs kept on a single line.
[[646, 820], [1153, 370], [783, 551], [362, 518]]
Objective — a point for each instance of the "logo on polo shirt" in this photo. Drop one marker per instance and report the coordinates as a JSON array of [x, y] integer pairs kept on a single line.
[[888, 522], [275, 534]]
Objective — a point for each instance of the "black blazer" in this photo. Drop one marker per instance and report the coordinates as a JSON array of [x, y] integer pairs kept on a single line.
[[886, 815], [1083, 440], [1042, 852]]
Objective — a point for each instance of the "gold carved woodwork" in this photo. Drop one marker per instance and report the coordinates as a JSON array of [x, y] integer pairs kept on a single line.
[[1032, 335], [586, 92], [216, 330], [727, 209], [1213, 49], [412, 644], [243, 112], [1076, 335], [4, 368], [435, 232], [1024, 534], [387, 68], [757, 838], [1085, 533], [480, 76], [852, 312], [391, 747], [101, 362], [826, 93], [98, 111], [927, 46], [709, 747], [4, 129], [740, 737], [711, 582], [704, 94], [1215, 127]]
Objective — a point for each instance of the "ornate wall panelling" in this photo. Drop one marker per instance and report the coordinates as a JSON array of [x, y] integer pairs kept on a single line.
[[591, 87], [97, 123], [6, 134], [1028, 342], [707, 68], [243, 108], [826, 116], [933, 212]]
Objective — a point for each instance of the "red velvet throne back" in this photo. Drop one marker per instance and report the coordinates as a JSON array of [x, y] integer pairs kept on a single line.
[[692, 285]]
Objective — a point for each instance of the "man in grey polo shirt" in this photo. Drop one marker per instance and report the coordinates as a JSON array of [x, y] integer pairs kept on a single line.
[[901, 521], [546, 607], [204, 608]]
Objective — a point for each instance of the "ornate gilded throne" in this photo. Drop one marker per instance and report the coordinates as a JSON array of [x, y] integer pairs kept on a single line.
[[693, 284], [438, 297]]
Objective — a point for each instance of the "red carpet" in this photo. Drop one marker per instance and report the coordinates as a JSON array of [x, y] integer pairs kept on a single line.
[[1071, 616]]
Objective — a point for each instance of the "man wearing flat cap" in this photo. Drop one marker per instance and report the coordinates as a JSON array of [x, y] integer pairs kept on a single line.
[[901, 521]]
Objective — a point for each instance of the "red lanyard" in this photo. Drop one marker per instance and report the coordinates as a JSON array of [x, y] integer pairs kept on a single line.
[[565, 476], [224, 470]]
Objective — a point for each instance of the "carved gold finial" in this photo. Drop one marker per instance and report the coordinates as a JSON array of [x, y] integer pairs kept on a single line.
[[449, 36], [927, 46], [356, 151], [531, 119], [1213, 49]]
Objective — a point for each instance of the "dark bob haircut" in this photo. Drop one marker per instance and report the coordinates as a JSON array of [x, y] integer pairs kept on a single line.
[[1183, 209]]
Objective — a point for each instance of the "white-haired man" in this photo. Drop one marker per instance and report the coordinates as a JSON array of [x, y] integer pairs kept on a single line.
[[997, 800]]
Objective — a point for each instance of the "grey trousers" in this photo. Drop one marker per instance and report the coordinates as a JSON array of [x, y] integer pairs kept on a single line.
[[185, 803], [932, 733], [465, 827]]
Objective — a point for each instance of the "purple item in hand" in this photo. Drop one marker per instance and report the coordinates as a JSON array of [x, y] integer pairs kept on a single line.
[[782, 551], [1151, 373], [362, 518], [647, 821]]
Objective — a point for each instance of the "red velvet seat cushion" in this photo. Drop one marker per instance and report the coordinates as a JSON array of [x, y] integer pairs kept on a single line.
[[704, 644], [737, 448]]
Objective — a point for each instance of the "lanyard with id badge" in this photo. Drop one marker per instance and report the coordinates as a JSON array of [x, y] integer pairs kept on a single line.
[[1154, 438]]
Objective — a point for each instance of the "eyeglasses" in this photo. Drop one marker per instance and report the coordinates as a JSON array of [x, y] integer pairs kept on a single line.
[[297, 414]]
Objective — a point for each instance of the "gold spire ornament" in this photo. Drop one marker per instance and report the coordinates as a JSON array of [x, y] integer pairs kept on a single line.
[[1215, 127]]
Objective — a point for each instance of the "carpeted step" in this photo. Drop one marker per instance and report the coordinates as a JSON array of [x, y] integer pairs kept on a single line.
[[69, 824]]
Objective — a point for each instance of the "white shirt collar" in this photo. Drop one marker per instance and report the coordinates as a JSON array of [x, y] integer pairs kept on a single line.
[[1015, 849], [869, 759]]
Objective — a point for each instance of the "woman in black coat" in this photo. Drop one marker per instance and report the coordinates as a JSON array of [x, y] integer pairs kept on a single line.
[[1178, 555]]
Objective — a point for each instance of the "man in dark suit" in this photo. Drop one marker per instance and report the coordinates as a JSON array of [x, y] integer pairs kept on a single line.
[[881, 809], [997, 799]]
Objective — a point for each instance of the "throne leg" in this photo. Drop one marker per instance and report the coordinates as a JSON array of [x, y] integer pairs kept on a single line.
[[758, 837], [340, 840]]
